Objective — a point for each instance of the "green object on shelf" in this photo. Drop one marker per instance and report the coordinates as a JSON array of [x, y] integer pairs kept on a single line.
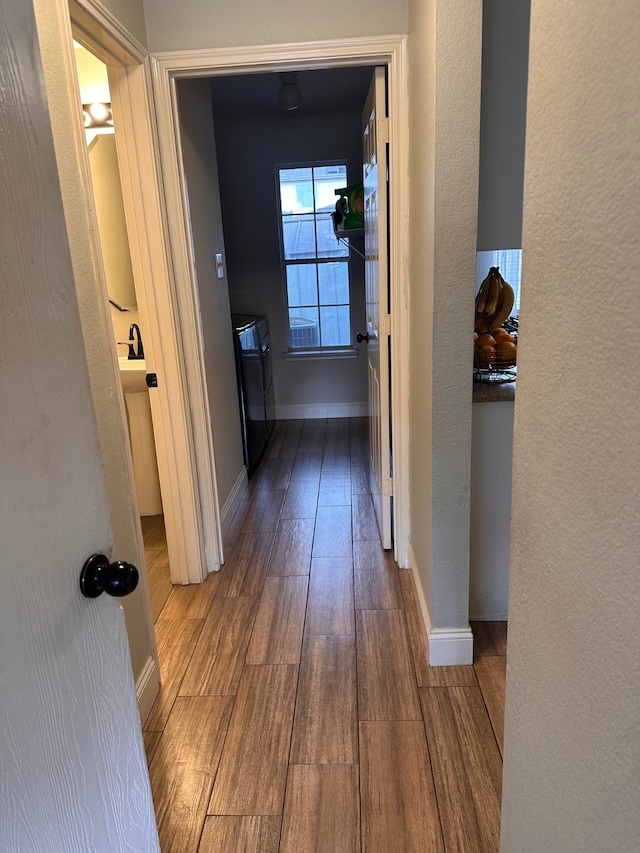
[[349, 212]]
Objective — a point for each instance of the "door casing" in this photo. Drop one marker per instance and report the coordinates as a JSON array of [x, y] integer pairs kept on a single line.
[[391, 51]]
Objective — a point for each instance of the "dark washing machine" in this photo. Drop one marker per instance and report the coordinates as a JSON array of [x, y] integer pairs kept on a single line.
[[255, 385]]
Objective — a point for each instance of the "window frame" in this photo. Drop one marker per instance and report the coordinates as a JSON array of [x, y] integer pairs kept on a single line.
[[320, 351]]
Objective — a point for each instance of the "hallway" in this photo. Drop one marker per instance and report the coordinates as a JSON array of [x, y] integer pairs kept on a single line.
[[297, 711]]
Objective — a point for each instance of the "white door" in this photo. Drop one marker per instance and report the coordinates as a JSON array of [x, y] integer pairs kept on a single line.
[[74, 774], [375, 139]]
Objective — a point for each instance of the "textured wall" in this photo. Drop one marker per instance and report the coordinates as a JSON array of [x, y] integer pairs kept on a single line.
[[199, 157], [444, 131], [131, 14], [572, 780], [202, 24]]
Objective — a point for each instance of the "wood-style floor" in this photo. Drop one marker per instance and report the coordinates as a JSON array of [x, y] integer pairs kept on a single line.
[[298, 711]]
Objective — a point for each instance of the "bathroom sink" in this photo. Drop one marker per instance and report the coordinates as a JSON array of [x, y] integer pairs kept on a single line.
[[133, 374]]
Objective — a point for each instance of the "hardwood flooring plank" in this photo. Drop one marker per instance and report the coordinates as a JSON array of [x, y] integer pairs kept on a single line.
[[333, 532], [181, 810], [386, 681], [253, 769], [360, 478], [307, 465], [398, 801], [194, 735], [363, 518], [176, 639], [192, 601], [492, 675], [245, 570], [335, 489], [216, 664], [151, 741], [312, 438], [277, 631], [274, 474], [489, 638], [250, 834], [330, 603], [325, 728], [263, 512], [291, 552], [285, 439], [375, 577], [428, 676], [153, 532], [466, 767], [301, 500], [158, 580], [184, 766], [322, 810]]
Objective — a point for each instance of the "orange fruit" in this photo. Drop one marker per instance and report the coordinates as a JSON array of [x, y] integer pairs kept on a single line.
[[485, 341], [485, 355], [506, 352], [499, 333]]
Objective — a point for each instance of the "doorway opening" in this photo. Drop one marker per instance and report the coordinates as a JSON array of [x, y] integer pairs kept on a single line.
[[127, 329], [169, 71]]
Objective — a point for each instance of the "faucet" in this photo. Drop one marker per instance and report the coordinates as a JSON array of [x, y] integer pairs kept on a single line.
[[136, 350], [139, 353]]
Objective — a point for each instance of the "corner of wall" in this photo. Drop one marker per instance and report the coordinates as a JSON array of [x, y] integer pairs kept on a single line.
[[446, 646]]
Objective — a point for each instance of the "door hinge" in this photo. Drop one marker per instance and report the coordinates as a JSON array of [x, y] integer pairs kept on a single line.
[[383, 131], [388, 487], [385, 324]]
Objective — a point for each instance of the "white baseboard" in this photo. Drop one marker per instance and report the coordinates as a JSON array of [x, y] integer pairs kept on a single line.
[[147, 687], [446, 646], [488, 617], [298, 411], [231, 504]]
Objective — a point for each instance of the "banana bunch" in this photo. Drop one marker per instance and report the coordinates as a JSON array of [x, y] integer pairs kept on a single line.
[[494, 302]]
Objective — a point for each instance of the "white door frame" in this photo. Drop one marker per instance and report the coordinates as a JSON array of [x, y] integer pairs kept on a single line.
[[187, 479], [391, 51]]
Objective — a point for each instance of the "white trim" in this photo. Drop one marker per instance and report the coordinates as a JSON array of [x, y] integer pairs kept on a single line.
[[451, 647], [192, 528], [193, 535], [446, 646], [232, 502], [314, 354], [296, 411], [381, 50], [147, 687]]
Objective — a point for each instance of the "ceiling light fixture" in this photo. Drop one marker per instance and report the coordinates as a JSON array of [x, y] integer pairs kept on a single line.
[[289, 96], [97, 115]]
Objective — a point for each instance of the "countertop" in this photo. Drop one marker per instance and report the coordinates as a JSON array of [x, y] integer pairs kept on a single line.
[[494, 392]]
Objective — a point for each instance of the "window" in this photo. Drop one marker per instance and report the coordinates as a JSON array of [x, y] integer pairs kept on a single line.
[[316, 265]]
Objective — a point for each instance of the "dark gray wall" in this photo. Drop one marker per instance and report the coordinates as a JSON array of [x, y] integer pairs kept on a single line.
[[249, 149], [505, 57]]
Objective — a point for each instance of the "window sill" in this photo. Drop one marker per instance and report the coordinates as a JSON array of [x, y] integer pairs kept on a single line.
[[314, 354]]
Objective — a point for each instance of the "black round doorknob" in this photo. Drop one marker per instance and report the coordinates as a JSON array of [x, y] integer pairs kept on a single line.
[[360, 337], [98, 575]]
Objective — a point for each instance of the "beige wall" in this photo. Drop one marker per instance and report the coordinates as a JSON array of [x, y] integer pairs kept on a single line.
[[201, 170], [202, 24], [131, 14], [444, 50], [572, 751]]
